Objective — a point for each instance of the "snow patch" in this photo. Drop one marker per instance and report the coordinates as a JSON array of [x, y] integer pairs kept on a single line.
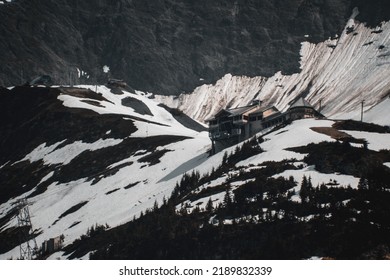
[[39, 152], [64, 155], [4, 164], [376, 141], [106, 69], [379, 113], [318, 178], [216, 200], [67, 153], [48, 176]]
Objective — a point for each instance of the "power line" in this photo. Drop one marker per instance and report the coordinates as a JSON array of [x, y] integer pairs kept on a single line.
[[28, 244]]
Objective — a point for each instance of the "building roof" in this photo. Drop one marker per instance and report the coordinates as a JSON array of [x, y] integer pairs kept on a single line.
[[218, 114], [263, 109], [301, 102], [273, 116], [222, 112], [240, 110], [232, 112]]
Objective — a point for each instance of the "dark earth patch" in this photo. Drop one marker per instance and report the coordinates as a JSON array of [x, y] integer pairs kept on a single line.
[[138, 106], [92, 102], [331, 157], [154, 157], [184, 119], [83, 93], [129, 186], [112, 191], [361, 126], [74, 224], [71, 210]]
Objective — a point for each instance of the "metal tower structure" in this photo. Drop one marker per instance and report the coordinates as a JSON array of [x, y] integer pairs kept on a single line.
[[28, 244]]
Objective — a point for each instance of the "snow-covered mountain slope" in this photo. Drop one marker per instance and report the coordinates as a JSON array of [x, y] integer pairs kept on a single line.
[[310, 172], [105, 175], [77, 174], [277, 148], [377, 114], [339, 73], [91, 155]]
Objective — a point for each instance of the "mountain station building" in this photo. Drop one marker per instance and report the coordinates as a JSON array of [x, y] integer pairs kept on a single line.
[[231, 126]]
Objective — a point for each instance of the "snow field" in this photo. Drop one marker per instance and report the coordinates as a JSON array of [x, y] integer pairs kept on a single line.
[[297, 134]]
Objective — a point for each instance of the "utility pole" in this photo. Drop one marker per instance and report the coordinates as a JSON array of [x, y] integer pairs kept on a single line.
[[361, 114], [28, 244]]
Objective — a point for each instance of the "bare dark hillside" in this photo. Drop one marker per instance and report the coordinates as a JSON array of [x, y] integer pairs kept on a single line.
[[165, 46]]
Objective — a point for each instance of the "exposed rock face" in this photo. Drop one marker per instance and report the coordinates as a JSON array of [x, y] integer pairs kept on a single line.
[[165, 46], [336, 76]]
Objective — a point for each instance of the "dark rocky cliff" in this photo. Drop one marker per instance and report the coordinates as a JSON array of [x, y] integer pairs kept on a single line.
[[166, 46]]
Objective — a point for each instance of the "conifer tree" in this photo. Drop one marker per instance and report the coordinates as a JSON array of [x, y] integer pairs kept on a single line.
[[155, 206], [304, 192], [224, 159], [227, 200], [209, 206], [363, 184]]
